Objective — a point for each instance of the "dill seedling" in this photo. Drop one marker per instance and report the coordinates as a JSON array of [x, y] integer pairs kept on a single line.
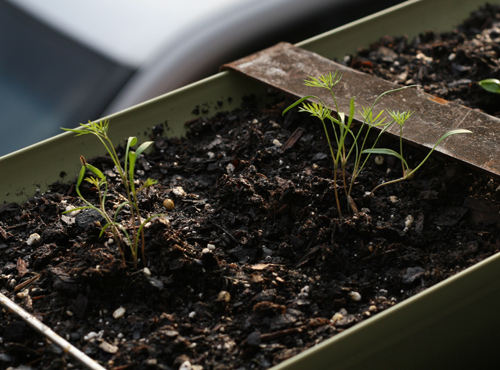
[[135, 239], [342, 129]]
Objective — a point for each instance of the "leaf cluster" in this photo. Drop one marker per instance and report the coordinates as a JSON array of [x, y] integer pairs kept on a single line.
[[121, 234], [342, 126]]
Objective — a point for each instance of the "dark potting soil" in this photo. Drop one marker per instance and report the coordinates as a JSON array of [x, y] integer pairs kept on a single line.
[[447, 65], [253, 265]]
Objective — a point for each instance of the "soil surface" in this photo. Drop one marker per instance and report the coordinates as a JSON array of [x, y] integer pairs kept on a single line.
[[254, 264], [447, 65]]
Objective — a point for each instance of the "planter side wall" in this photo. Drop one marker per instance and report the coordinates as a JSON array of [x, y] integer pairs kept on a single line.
[[38, 166]]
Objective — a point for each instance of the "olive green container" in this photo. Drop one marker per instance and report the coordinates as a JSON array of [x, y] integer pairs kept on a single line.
[[453, 325]]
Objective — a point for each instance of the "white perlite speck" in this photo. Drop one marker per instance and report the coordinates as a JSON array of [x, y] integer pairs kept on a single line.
[[119, 312], [33, 239]]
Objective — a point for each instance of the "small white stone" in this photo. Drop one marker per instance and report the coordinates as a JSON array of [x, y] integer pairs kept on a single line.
[[379, 159], [336, 317], [12, 283], [230, 169], [73, 213], [119, 312], [394, 199], [186, 365], [192, 315], [93, 335], [147, 271], [22, 294], [355, 296], [179, 191], [33, 239], [368, 195], [277, 143], [108, 347], [408, 222], [211, 247]]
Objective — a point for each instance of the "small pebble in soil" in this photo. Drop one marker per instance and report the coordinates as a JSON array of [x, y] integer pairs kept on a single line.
[[23, 294], [186, 365], [93, 335], [211, 246], [12, 283], [147, 271], [336, 317], [119, 312], [168, 204], [33, 239], [379, 160], [224, 296], [410, 177], [412, 273], [277, 143], [394, 199], [179, 191], [408, 222], [355, 296], [108, 347], [156, 283], [73, 213]]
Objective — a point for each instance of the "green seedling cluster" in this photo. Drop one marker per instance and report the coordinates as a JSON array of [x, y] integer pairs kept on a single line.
[[343, 128], [131, 234]]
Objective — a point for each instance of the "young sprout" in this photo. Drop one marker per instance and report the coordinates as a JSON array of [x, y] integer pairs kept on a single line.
[[342, 129], [491, 84], [408, 173], [122, 237]]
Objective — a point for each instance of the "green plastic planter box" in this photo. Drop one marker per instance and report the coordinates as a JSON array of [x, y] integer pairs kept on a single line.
[[453, 325]]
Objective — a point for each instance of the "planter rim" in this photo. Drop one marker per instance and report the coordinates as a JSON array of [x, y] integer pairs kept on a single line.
[[412, 328]]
